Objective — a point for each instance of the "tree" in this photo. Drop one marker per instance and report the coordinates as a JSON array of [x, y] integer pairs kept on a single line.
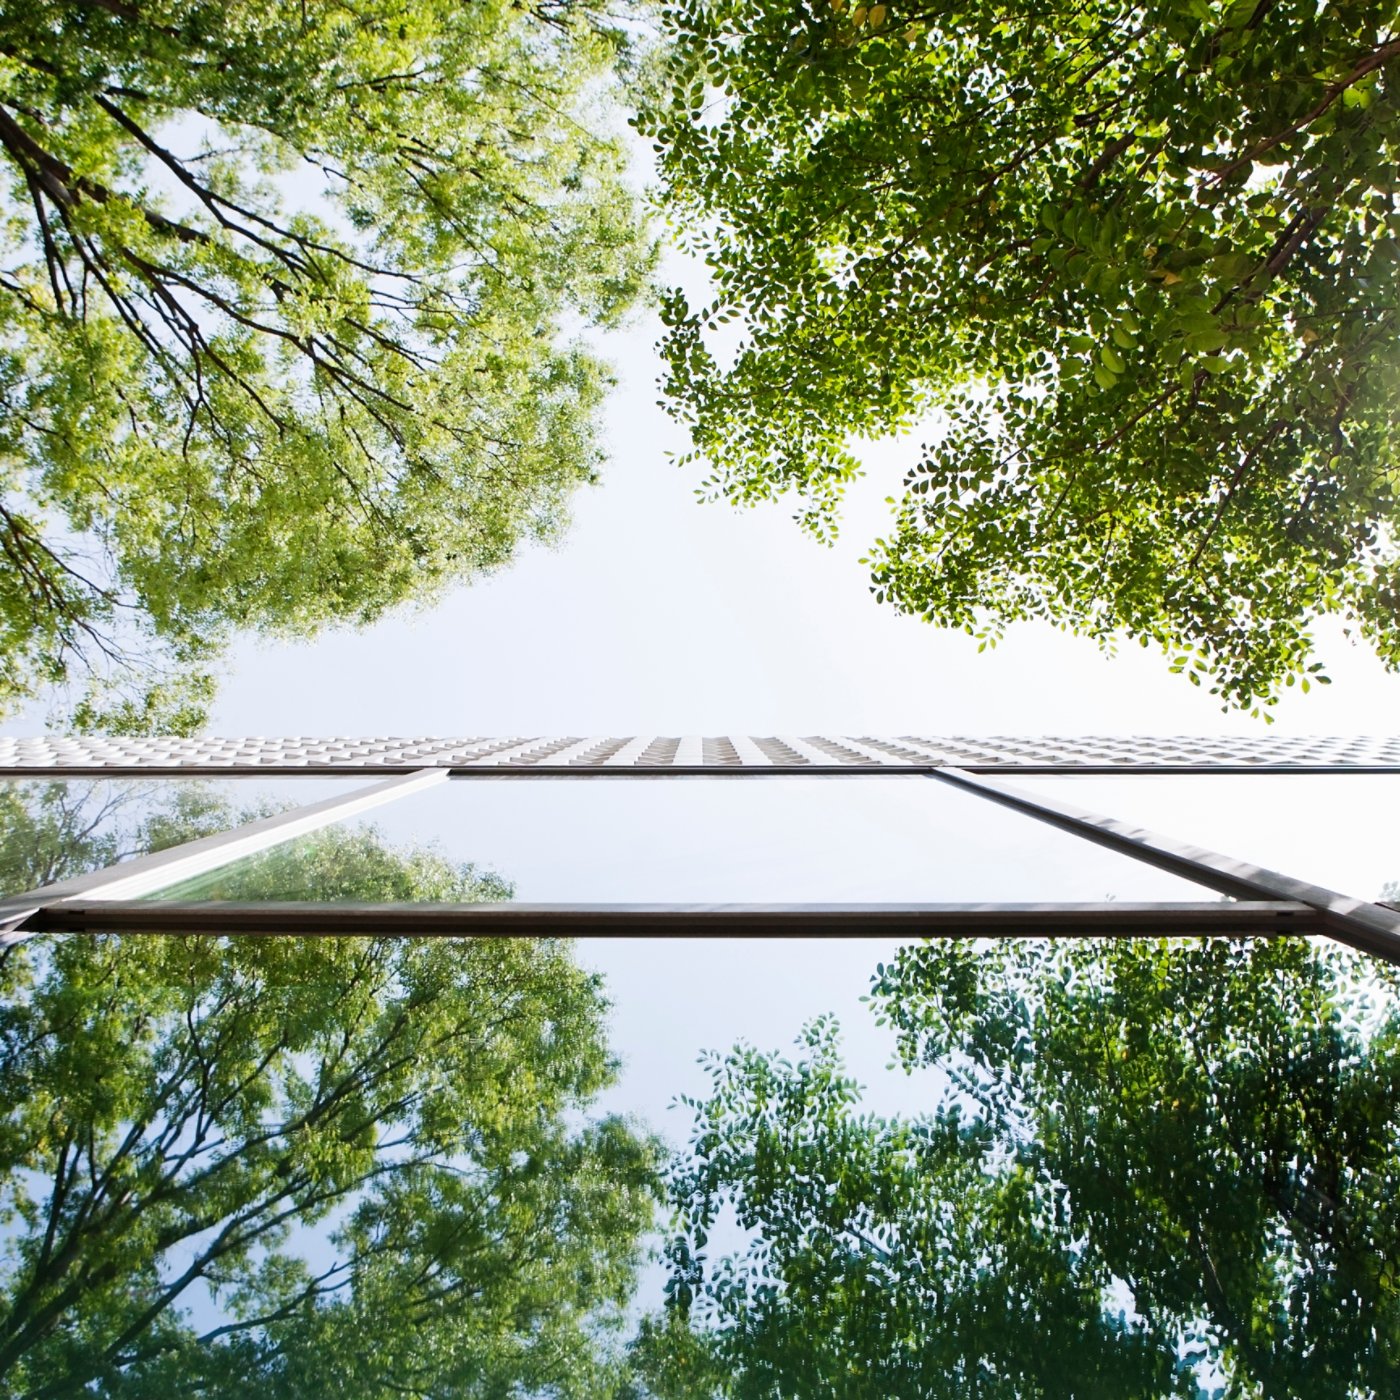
[[285, 303], [884, 1257], [1148, 1163], [310, 1167], [1138, 260]]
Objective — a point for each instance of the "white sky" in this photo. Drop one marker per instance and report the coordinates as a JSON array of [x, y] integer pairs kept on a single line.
[[658, 614]]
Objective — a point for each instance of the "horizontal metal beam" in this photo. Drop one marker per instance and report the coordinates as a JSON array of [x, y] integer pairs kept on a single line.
[[1373, 928], [487, 772], [130, 879], [1106, 919]]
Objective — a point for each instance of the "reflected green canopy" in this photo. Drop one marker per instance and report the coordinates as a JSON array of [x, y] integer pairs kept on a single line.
[[1147, 1169], [307, 1167]]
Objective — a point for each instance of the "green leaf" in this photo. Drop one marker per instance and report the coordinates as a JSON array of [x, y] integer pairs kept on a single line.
[[1207, 216]]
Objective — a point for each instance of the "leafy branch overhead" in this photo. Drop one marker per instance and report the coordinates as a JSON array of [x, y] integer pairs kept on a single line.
[[283, 293], [1141, 259]]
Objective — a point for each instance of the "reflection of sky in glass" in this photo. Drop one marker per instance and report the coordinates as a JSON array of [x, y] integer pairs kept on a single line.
[[1335, 830], [792, 839]]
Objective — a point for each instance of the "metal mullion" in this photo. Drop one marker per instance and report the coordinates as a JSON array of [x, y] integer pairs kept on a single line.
[[1372, 928], [132, 878], [1101, 919]]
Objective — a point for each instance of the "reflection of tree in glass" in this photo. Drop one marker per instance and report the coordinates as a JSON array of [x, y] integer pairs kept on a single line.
[[50, 831], [1152, 1166], [346, 863], [310, 1167]]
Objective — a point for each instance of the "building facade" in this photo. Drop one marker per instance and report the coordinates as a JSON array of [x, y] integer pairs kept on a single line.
[[990, 804]]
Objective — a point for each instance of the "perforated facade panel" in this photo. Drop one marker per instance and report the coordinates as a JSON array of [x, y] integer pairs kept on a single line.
[[720, 753]]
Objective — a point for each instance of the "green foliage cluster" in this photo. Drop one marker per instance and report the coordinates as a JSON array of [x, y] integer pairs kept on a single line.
[[1148, 1163], [286, 299], [53, 831], [243, 1167], [1140, 258]]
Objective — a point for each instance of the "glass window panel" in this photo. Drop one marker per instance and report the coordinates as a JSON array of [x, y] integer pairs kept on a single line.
[[1337, 830], [679, 840], [55, 829], [347, 1164]]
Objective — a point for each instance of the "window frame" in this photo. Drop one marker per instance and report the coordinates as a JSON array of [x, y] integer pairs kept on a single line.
[[1265, 902]]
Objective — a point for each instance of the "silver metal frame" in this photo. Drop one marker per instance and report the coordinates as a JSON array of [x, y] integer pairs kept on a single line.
[[1264, 902], [1370, 927], [1234, 920]]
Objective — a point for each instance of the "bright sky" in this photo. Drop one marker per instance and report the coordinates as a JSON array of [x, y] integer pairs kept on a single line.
[[658, 614], [661, 615]]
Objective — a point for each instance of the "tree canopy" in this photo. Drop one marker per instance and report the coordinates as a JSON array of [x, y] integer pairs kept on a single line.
[[1150, 1169], [1139, 263], [307, 1167], [287, 305]]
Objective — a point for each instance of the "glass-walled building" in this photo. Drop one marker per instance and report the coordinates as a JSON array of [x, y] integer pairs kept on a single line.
[[680, 1068]]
